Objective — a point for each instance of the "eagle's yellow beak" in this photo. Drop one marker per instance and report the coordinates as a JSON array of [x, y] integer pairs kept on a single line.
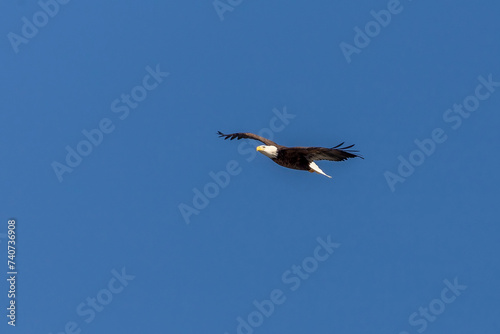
[[260, 148]]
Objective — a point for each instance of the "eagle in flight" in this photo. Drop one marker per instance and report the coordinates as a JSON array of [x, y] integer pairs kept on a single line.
[[301, 158]]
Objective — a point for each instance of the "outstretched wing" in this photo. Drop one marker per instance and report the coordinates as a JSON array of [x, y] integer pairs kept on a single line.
[[247, 135], [337, 153]]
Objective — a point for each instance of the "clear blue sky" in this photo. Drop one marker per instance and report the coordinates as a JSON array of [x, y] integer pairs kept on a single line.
[[109, 120]]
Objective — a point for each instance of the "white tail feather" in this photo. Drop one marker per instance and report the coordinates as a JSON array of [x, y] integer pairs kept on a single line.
[[318, 170]]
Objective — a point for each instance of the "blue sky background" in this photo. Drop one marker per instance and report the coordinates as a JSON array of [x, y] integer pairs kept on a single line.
[[119, 208]]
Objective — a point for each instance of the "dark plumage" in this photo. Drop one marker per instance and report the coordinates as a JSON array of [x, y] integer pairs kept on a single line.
[[301, 158]]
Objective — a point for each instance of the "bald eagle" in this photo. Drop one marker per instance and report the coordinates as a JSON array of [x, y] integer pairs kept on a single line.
[[301, 158]]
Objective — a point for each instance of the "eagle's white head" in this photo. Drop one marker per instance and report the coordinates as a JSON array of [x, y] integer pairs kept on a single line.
[[268, 151]]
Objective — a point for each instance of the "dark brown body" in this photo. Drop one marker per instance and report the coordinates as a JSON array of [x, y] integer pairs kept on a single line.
[[293, 157]]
